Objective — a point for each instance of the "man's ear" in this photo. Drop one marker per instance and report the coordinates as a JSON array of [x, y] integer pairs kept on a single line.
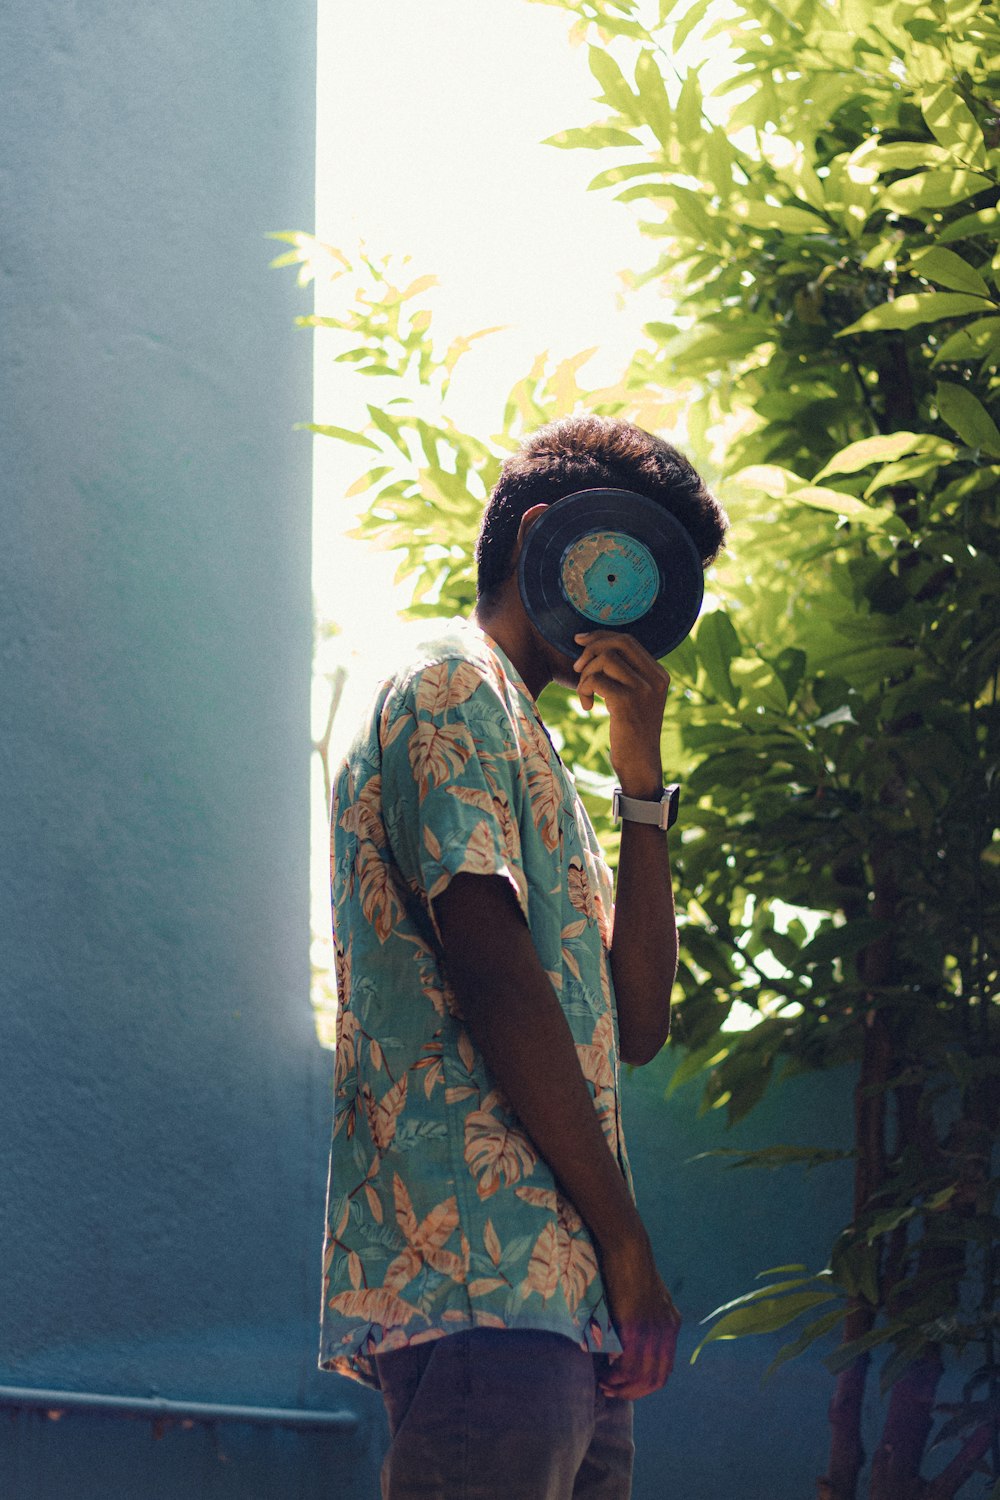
[[527, 521]]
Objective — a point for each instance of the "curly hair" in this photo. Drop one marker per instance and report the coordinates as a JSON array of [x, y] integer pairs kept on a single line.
[[585, 453]]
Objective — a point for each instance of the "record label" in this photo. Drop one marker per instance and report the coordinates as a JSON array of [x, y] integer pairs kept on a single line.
[[610, 577]]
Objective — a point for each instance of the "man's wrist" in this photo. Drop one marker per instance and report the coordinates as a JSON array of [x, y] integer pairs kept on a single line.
[[626, 1241], [645, 783]]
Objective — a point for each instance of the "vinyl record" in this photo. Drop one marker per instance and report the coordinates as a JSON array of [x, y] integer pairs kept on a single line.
[[613, 560]]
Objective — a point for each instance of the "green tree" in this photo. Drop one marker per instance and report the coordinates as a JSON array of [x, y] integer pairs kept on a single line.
[[826, 215]]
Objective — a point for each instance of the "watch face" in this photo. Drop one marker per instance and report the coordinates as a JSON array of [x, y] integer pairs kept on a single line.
[[672, 797]]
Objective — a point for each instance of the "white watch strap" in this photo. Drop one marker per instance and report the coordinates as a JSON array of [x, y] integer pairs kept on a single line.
[[637, 810]]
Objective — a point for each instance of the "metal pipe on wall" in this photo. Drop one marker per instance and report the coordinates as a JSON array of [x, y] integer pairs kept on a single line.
[[158, 1408]]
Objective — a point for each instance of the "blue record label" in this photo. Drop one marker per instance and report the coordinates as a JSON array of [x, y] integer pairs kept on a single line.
[[610, 577]]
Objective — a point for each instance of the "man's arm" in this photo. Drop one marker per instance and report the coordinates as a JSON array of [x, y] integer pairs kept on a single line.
[[515, 1020], [644, 939]]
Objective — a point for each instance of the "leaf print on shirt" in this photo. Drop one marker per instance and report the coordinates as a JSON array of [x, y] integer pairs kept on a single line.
[[342, 963], [578, 889], [570, 931], [543, 1267], [544, 793], [597, 1065], [380, 901], [344, 1057], [496, 804], [563, 1256], [363, 817], [480, 857], [492, 1243], [426, 1240], [387, 729], [431, 1063], [496, 1152], [439, 688], [377, 1304], [382, 1114], [601, 895], [438, 752]]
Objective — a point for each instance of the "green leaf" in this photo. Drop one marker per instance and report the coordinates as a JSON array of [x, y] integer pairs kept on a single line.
[[698, 1058], [977, 340], [854, 1266], [688, 21], [812, 1331], [897, 156], [840, 942], [653, 97], [717, 644], [929, 190], [765, 1316], [771, 1157], [787, 219], [948, 269], [789, 665], [591, 138], [385, 424], [875, 450], [953, 125], [342, 434], [612, 80], [818, 497], [967, 416], [760, 1292], [849, 1352], [623, 173], [913, 308], [986, 221], [366, 480], [769, 479]]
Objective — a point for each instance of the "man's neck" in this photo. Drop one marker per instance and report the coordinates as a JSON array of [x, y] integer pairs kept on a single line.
[[506, 623]]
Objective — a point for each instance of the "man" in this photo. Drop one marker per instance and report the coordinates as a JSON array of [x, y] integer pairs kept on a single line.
[[486, 1266]]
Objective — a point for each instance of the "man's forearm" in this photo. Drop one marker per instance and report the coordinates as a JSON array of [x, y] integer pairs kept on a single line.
[[644, 941], [515, 1020]]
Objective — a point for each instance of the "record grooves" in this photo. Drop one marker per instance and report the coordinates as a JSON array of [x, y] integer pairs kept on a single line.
[[615, 560]]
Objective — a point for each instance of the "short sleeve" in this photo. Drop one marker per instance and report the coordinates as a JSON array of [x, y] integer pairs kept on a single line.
[[451, 792]]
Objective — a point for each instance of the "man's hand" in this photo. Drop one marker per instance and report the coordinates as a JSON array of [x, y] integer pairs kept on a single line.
[[634, 686], [645, 1318]]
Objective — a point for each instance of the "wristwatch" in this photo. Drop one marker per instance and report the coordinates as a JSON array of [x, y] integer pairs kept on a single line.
[[662, 813]]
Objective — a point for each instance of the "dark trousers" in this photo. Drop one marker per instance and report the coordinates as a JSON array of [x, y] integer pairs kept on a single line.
[[502, 1414]]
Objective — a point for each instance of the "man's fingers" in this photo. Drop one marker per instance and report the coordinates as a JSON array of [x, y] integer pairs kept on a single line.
[[647, 1362], [627, 645], [608, 683], [630, 1378]]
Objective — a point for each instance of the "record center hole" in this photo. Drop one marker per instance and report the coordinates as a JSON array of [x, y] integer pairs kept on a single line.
[[612, 578]]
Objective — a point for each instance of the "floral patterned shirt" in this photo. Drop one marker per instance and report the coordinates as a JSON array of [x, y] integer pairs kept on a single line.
[[440, 1213]]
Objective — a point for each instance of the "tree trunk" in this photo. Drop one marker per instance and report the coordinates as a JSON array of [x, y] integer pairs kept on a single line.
[[847, 1454], [899, 1455], [962, 1467]]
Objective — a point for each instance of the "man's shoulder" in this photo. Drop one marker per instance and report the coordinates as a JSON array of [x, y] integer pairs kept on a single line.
[[460, 666]]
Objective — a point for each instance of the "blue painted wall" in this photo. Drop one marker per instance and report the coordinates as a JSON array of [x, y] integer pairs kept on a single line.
[[165, 1107]]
